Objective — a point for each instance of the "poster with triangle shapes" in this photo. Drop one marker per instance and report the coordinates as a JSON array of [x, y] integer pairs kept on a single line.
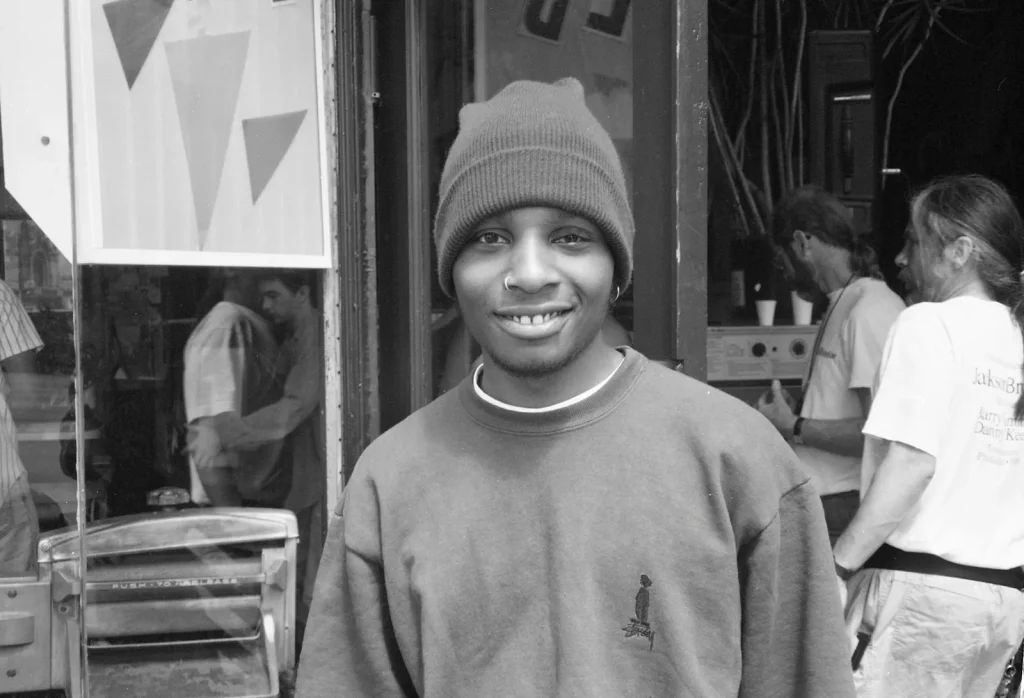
[[267, 139], [206, 76], [134, 26]]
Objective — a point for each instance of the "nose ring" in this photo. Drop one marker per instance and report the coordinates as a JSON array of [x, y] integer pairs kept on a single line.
[[508, 287]]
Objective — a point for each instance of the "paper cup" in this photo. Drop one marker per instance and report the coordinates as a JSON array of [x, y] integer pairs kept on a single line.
[[765, 313], [801, 310]]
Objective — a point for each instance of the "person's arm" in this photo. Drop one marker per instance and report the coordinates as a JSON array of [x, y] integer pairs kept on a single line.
[[349, 648], [843, 436], [793, 638], [302, 395], [898, 484]]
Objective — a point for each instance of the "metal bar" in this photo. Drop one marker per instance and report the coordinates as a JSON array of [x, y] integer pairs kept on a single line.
[[863, 97], [76, 322], [418, 206], [691, 254], [174, 643]]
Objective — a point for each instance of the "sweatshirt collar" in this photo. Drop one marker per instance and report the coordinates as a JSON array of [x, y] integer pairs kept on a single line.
[[568, 415]]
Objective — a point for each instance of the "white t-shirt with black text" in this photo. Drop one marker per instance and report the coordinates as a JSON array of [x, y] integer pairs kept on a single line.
[[949, 380], [847, 358]]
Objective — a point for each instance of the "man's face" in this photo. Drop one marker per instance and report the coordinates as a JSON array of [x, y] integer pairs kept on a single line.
[[795, 265], [280, 304], [924, 270], [560, 272]]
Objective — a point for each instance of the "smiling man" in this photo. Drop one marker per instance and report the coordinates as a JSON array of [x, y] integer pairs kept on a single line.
[[493, 543]]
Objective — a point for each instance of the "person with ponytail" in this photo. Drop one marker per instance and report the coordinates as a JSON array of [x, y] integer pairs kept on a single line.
[[820, 248], [932, 560]]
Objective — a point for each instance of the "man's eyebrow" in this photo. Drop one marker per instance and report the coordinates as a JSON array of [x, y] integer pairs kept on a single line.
[[560, 216]]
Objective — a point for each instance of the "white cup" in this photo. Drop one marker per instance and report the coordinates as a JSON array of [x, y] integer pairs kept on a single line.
[[801, 310], [765, 313]]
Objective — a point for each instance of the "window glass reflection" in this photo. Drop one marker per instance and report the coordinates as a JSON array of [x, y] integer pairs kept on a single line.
[[37, 357]]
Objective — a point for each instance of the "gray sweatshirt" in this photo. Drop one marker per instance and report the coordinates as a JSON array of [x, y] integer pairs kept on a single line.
[[656, 539]]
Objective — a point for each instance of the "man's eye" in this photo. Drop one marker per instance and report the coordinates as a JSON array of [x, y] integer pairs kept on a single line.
[[572, 237], [489, 237]]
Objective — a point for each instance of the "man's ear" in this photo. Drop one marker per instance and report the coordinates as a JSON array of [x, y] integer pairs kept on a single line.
[[961, 251]]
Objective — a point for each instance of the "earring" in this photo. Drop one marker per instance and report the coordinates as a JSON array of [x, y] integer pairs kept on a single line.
[[618, 292], [508, 287]]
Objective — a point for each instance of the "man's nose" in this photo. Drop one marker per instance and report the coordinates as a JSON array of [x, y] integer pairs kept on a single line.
[[266, 305], [533, 265]]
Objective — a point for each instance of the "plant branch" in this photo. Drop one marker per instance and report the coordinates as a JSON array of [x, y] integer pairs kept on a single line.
[[741, 131], [738, 182], [881, 15], [766, 177], [795, 113], [799, 97], [896, 94], [783, 138], [777, 119]]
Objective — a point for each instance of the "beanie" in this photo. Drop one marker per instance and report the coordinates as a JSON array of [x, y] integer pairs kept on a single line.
[[532, 144]]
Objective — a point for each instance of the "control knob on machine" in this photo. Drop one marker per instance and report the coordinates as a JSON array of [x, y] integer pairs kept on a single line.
[[798, 348], [759, 349]]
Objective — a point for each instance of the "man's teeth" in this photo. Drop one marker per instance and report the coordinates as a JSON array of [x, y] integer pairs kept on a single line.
[[534, 319]]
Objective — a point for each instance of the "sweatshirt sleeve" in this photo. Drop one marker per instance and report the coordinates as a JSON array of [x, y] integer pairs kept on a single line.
[[349, 648], [794, 643]]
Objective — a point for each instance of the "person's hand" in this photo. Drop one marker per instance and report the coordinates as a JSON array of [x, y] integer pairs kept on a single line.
[[778, 405], [204, 445], [843, 593]]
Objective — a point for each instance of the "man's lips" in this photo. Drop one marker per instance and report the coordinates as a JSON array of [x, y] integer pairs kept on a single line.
[[534, 322]]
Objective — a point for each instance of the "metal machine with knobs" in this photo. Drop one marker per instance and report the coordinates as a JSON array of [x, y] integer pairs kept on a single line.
[[743, 361]]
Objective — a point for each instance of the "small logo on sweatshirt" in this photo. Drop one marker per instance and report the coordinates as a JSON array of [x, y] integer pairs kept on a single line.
[[639, 626]]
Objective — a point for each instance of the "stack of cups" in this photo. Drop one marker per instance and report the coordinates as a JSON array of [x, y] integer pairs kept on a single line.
[[801, 310]]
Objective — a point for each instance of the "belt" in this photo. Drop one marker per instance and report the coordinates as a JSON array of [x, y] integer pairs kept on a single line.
[[889, 558]]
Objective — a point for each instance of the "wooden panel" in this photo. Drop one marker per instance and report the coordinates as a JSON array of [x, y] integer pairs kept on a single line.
[[670, 191], [402, 210], [357, 272]]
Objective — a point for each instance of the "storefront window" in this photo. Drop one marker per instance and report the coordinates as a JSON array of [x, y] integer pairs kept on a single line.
[[177, 235], [477, 47]]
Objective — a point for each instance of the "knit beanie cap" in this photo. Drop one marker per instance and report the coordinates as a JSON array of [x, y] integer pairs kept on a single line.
[[532, 144]]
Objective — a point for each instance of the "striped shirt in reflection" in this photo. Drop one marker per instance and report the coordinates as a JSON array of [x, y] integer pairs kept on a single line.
[[17, 335]]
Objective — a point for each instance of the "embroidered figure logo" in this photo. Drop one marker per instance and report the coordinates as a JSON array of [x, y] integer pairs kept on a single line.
[[639, 626]]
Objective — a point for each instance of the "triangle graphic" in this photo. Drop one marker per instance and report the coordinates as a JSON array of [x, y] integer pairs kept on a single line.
[[267, 139], [206, 75], [134, 26]]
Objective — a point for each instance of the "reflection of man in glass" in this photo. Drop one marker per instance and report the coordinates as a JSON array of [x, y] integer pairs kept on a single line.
[[230, 370], [19, 524], [295, 418]]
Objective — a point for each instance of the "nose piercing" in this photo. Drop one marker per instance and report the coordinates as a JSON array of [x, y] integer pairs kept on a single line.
[[507, 286]]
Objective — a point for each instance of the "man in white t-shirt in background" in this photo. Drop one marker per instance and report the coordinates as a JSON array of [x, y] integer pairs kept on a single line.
[[820, 248], [230, 361], [933, 557]]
